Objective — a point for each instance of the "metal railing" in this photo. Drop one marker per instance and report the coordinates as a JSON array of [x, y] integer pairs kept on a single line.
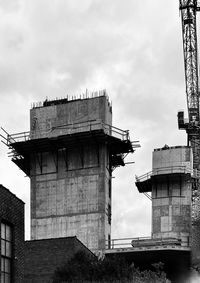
[[144, 242], [94, 125], [23, 136], [9, 139], [143, 177], [67, 129], [123, 242], [169, 170]]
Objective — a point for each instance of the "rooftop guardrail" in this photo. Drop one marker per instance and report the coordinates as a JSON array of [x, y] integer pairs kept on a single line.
[[169, 170], [67, 129], [123, 242], [142, 242]]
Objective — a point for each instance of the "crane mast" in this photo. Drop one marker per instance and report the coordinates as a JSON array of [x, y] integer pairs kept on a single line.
[[188, 9]]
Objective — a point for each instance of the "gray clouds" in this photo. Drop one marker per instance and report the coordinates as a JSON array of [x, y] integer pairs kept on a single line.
[[133, 49]]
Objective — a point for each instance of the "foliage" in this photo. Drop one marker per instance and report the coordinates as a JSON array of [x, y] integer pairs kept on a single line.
[[83, 268]]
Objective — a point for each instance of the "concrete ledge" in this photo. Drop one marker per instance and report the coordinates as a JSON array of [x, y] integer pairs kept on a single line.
[[142, 249]]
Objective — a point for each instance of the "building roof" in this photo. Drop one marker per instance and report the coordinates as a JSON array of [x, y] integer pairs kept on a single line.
[[8, 191]]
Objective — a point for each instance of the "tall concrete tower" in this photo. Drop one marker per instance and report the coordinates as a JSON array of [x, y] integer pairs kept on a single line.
[[69, 155], [170, 184]]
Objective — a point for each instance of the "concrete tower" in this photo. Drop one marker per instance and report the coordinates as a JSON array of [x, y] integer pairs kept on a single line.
[[69, 155], [170, 184]]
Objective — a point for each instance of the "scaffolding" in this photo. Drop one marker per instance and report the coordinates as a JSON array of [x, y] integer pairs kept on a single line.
[[23, 144]]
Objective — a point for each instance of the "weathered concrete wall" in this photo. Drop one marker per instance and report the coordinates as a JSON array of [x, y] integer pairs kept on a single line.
[[171, 208], [171, 195], [172, 157], [70, 193], [74, 116], [77, 195]]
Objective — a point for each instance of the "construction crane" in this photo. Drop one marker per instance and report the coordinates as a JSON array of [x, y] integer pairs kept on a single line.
[[188, 10]]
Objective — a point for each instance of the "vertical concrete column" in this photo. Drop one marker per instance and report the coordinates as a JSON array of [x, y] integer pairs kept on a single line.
[[172, 193], [70, 186]]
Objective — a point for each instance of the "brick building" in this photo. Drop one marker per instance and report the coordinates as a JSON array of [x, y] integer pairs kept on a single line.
[[29, 261], [12, 237], [42, 257]]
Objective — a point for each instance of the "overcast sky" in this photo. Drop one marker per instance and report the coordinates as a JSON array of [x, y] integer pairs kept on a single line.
[[131, 48]]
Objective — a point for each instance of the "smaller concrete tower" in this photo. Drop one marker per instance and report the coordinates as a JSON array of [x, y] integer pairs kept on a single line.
[[170, 184]]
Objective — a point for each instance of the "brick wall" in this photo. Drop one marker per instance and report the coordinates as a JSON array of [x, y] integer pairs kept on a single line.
[[42, 257], [12, 212]]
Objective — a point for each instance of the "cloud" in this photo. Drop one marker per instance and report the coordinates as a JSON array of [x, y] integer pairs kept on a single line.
[[133, 49], [9, 6]]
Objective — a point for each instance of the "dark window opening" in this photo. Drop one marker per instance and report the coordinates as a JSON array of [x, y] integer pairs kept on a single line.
[[109, 214], [109, 188], [109, 241], [6, 253]]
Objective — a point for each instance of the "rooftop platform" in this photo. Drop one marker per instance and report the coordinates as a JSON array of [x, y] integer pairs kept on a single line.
[[144, 182], [22, 145], [148, 248], [176, 258], [145, 243], [176, 262]]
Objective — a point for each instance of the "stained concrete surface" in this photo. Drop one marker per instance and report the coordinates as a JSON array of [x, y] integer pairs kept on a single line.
[[70, 187]]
